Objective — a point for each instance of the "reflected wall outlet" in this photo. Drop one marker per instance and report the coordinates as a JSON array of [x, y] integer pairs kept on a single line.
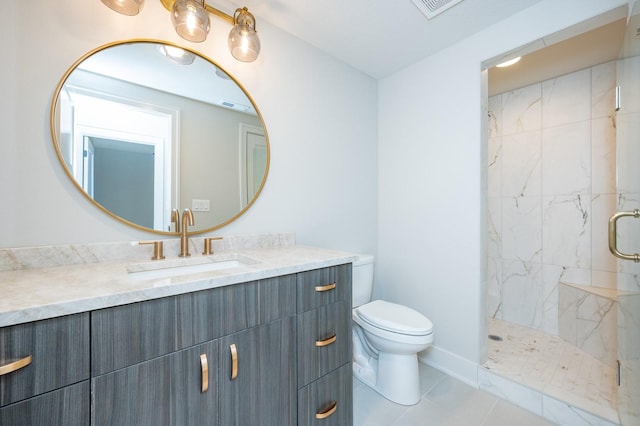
[[200, 205]]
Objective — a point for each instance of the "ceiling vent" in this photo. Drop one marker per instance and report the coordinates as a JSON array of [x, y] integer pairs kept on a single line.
[[431, 8]]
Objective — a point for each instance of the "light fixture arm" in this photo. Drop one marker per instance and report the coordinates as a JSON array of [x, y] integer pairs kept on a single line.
[[168, 4], [242, 15], [218, 13]]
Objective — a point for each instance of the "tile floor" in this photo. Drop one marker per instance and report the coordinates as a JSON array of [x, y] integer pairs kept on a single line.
[[554, 368], [445, 401]]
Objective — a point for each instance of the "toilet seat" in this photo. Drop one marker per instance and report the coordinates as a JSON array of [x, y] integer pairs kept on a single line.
[[395, 318]]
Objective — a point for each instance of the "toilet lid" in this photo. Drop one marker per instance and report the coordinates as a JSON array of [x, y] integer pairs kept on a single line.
[[395, 318]]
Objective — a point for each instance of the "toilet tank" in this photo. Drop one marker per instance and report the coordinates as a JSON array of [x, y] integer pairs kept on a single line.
[[362, 276]]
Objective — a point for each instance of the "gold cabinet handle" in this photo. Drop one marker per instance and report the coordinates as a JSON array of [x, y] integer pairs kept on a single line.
[[328, 410], [204, 365], [321, 288], [16, 365], [234, 361], [326, 342]]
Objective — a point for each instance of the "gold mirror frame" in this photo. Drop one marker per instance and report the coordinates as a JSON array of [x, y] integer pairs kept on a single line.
[[55, 131]]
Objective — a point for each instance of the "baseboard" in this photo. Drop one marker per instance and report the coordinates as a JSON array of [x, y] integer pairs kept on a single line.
[[452, 364]]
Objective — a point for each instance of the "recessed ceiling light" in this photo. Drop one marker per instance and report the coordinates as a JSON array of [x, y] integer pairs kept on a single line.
[[509, 62]]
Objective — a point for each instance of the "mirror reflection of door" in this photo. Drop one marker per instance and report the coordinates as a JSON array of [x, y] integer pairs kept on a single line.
[[121, 178], [88, 151], [253, 153], [121, 154]]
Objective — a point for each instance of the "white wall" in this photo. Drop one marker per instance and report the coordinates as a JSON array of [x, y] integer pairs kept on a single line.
[[320, 116], [432, 232]]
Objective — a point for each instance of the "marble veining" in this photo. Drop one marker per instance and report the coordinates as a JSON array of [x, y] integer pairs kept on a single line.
[[96, 277], [588, 319], [23, 258], [551, 189]]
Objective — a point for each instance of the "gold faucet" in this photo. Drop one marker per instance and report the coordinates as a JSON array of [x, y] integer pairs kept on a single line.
[[175, 219], [184, 235]]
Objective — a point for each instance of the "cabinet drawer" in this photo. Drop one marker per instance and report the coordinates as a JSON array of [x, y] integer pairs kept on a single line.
[[328, 400], [59, 356], [323, 286], [68, 406], [324, 341]]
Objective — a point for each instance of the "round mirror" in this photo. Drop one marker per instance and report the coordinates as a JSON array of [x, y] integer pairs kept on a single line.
[[146, 129]]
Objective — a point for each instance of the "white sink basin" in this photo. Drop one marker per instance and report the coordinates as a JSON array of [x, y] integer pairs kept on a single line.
[[176, 267]]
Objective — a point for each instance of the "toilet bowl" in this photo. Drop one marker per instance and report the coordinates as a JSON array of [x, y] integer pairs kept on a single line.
[[386, 340]]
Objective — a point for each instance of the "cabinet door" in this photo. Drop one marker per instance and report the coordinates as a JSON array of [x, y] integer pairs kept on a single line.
[[258, 377], [68, 406], [164, 391]]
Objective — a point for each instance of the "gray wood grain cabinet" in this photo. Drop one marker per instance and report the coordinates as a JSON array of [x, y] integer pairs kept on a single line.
[[147, 358], [325, 347], [44, 372], [167, 390], [258, 376], [272, 352]]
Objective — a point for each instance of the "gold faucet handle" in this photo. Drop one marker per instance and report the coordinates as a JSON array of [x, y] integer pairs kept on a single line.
[[158, 250], [208, 245]]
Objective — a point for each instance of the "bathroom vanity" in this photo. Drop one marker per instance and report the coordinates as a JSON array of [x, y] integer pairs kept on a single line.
[[264, 341]]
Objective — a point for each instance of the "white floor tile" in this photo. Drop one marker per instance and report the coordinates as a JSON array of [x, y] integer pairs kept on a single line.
[[445, 401]]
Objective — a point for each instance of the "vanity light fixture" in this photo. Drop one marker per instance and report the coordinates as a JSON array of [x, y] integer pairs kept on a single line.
[[191, 21], [126, 7], [243, 38]]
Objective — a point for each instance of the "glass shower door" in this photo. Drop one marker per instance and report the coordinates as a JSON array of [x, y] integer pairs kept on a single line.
[[625, 228]]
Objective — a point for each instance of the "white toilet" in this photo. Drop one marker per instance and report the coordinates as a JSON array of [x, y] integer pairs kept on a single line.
[[386, 340]]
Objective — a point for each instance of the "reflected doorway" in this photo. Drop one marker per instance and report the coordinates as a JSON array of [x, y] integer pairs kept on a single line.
[[120, 176]]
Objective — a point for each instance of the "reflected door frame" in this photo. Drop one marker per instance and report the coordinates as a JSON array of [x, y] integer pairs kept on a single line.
[[147, 126], [252, 140]]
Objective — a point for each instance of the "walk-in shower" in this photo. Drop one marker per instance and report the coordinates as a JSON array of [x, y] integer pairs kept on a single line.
[[560, 164]]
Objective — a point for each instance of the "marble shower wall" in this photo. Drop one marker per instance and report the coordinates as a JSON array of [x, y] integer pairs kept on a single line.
[[551, 191]]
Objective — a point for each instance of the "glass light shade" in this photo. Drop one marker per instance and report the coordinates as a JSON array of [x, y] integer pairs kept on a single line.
[[243, 38], [126, 7], [191, 20]]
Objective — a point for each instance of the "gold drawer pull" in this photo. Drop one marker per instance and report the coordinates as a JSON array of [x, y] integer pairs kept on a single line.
[[321, 288], [329, 410], [326, 342], [204, 365], [234, 361], [16, 365]]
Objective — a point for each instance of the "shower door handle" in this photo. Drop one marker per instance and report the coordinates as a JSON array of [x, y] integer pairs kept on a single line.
[[613, 235]]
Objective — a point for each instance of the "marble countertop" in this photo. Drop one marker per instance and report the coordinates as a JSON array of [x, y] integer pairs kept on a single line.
[[35, 294]]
